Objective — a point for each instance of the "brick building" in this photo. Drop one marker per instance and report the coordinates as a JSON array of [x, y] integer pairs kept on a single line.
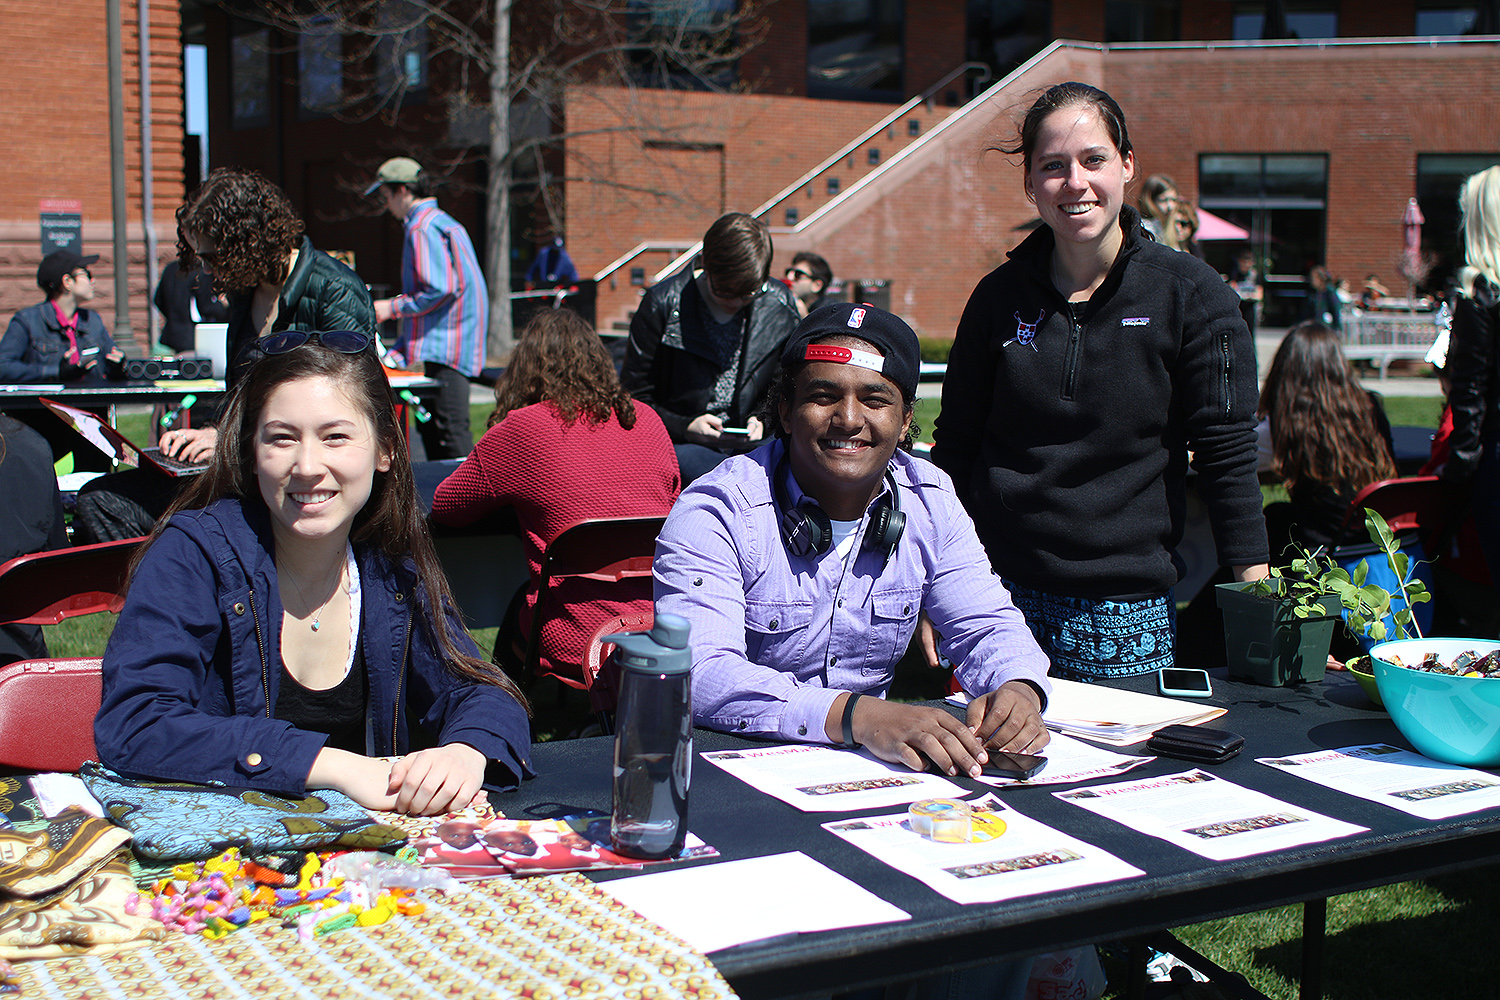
[[1307, 122], [55, 115]]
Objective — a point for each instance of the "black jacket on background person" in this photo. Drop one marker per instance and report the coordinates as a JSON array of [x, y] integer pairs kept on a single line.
[[1473, 360], [31, 520], [670, 367], [185, 300], [1068, 442]]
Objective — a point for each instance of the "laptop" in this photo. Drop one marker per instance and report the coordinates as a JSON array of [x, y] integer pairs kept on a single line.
[[117, 446]]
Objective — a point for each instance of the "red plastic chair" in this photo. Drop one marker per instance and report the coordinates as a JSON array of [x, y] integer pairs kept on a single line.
[[604, 681], [45, 587], [47, 710], [1414, 503], [611, 550]]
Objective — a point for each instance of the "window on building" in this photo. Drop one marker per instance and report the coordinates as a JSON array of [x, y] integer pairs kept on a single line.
[[874, 156], [1006, 33], [320, 69], [682, 44], [1303, 19], [855, 49], [1439, 176], [401, 52], [1281, 200], [833, 186], [249, 75], [791, 216], [1446, 18], [1142, 20]]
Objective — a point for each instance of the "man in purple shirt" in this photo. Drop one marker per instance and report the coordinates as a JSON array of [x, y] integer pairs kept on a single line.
[[804, 565]]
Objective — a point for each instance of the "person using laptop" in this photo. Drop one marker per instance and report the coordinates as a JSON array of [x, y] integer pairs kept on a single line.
[[245, 232]]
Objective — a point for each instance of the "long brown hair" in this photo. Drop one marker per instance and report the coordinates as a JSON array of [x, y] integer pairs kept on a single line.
[[390, 521], [252, 223], [1323, 427], [560, 359]]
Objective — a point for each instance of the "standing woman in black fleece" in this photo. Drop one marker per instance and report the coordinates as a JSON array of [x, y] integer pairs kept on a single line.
[[1084, 371]]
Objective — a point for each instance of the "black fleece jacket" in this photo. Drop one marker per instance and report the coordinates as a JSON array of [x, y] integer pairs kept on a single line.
[[1068, 442]]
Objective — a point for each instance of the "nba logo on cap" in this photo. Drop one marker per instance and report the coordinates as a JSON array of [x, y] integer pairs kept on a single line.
[[856, 319]]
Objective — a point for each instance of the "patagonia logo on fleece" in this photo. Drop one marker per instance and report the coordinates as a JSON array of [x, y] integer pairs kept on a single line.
[[1026, 332], [1136, 321]]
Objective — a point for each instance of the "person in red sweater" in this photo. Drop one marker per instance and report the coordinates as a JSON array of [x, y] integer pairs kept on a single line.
[[565, 444]]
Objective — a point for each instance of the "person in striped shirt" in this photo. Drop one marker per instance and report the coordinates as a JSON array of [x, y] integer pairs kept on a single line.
[[443, 309]]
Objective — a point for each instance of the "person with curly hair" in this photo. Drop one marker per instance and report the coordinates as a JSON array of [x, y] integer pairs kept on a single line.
[[243, 230], [565, 444]]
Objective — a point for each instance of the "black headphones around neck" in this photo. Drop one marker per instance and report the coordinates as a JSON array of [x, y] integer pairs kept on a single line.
[[808, 530]]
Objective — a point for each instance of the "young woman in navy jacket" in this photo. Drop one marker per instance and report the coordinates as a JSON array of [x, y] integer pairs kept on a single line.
[[289, 614]]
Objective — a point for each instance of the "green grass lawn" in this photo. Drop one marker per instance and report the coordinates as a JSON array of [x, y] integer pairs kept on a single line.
[[1413, 939]]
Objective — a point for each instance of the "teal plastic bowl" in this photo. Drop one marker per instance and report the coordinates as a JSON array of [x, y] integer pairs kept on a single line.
[[1452, 719]]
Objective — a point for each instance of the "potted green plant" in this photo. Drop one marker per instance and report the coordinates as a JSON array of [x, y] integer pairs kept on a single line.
[[1277, 631]]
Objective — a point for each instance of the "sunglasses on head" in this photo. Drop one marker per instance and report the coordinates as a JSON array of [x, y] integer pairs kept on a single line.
[[343, 341]]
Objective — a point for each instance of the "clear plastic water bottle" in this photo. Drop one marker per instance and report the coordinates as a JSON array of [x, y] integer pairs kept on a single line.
[[653, 740]]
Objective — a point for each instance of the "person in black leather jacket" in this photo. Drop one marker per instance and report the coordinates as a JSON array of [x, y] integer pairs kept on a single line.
[[1474, 361], [705, 343]]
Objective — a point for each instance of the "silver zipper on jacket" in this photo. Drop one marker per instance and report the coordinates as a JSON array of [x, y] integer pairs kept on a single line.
[[400, 680], [1224, 373], [260, 645], [1070, 362]]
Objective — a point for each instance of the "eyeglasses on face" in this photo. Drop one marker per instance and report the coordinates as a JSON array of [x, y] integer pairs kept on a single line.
[[343, 341], [793, 273], [82, 272], [749, 296]]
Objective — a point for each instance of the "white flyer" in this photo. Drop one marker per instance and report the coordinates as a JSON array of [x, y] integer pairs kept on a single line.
[[1007, 856], [734, 902], [1070, 760], [822, 779], [1209, 816], [1397, 778]]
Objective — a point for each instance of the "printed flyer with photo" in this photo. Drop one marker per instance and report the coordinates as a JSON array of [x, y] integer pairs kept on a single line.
[[822, 779], [1007, 855], [1398, 778], [1209, 816]]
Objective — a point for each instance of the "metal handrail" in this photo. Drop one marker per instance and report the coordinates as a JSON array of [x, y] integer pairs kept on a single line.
[[635, 252]]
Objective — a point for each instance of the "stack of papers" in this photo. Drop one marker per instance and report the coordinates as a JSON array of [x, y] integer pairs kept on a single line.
[[1119, 718]]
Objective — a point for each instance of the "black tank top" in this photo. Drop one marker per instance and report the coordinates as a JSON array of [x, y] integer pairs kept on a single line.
[[338, 711]]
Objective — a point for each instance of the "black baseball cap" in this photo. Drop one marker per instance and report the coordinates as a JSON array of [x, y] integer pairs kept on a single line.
[[901, 358], [59, 264]]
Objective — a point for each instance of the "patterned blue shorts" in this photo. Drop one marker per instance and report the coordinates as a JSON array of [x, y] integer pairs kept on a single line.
[[1091, 640]]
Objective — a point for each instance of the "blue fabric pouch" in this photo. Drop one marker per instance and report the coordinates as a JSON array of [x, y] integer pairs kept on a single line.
[[176, 821]]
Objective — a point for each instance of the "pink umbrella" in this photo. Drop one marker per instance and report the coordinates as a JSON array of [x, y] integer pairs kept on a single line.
[[1211, 227]]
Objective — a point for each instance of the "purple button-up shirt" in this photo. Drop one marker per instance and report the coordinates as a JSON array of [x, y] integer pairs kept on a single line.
[[777, 637]]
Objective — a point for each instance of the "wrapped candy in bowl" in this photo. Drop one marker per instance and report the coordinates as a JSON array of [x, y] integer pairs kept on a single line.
[[1444, 696]]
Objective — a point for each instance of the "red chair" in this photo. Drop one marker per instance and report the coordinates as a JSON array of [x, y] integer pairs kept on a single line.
[[604, 681], [45, 587], [617, 551], [47, 710], [1414, 503]]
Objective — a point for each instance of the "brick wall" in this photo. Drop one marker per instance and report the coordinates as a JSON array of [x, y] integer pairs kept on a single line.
[[56, 118]]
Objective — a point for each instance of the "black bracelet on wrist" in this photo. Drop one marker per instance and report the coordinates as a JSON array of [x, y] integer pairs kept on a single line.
[[849, 721]]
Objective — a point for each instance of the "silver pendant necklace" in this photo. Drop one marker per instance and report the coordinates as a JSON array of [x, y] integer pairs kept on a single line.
[[318, 611]]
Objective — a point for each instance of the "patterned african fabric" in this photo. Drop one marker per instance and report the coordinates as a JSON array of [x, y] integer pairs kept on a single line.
[[63, 889], [171, 820], [1091, 640], [552, 937]]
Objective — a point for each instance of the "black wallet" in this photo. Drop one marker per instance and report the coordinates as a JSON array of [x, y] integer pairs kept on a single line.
[[1195, 743]]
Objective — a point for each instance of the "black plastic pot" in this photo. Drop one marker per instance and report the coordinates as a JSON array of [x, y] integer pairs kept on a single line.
[[1266, 644]]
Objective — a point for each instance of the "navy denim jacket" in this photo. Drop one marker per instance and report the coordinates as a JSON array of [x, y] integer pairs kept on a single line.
[[193, 667], [33, 347]]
